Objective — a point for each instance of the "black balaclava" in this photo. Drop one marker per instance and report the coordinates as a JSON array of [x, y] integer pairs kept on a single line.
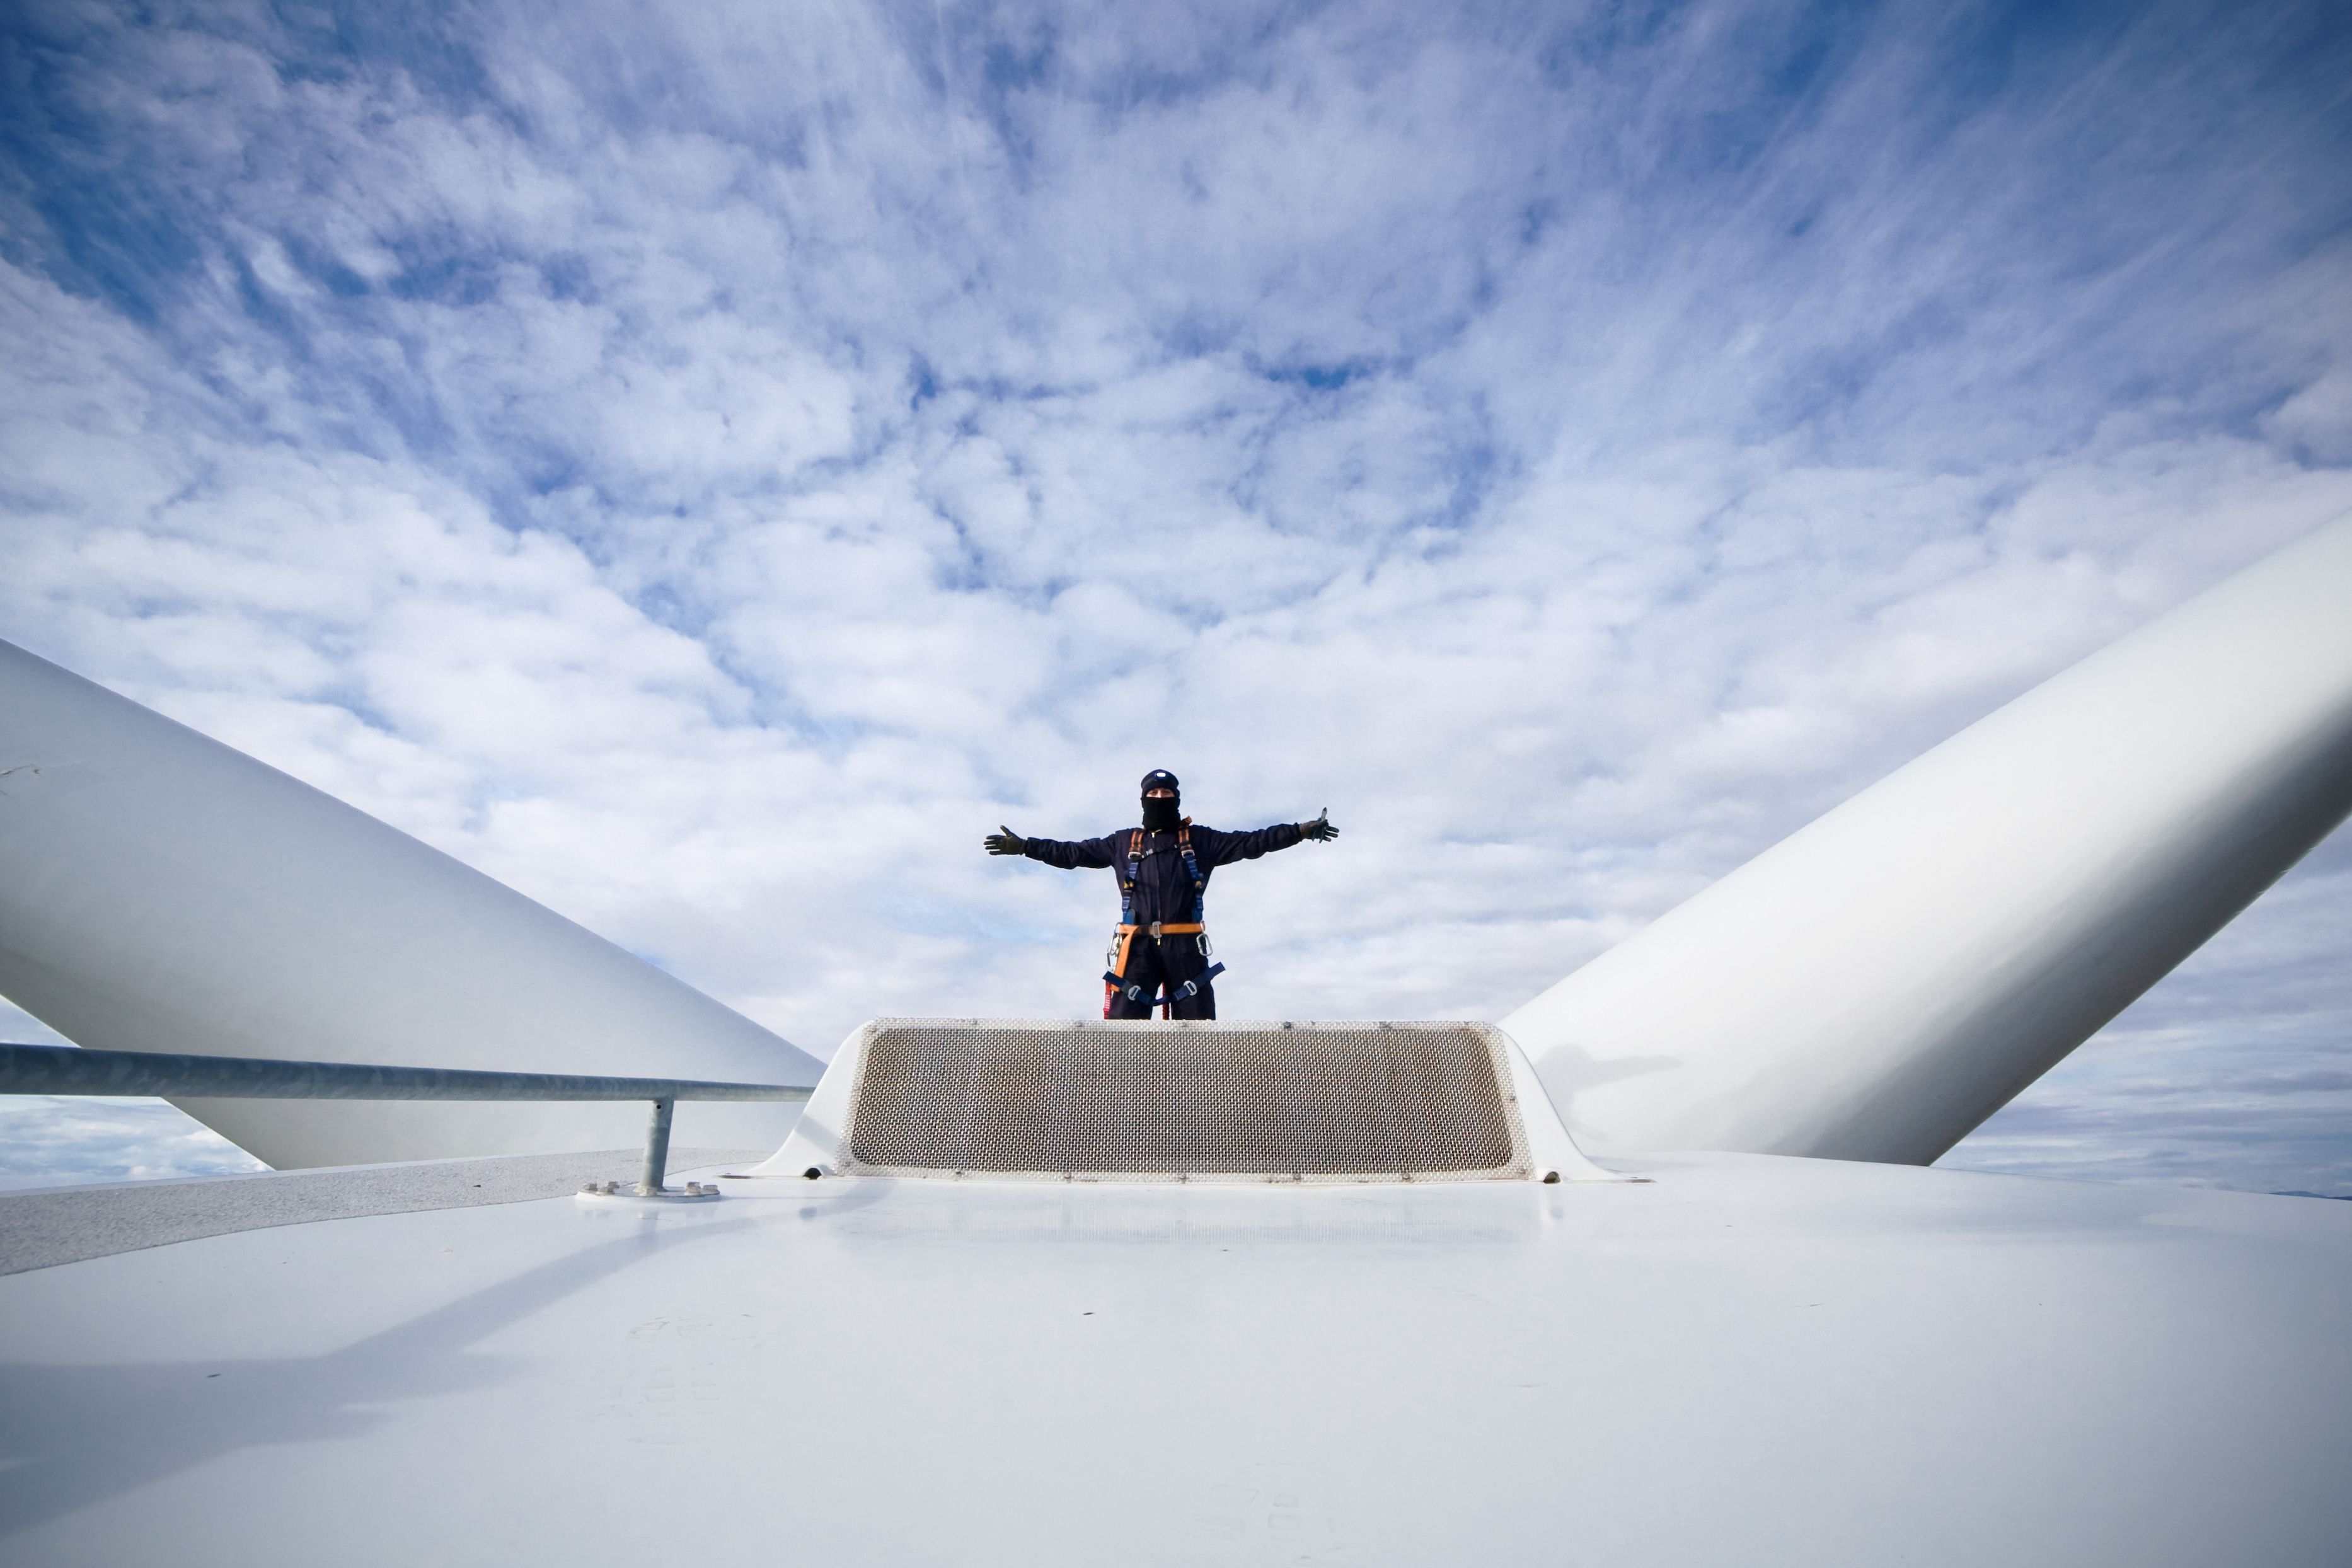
[[1165, 812]]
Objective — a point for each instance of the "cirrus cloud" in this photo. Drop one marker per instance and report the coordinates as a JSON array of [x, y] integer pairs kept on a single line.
[[705, 467]]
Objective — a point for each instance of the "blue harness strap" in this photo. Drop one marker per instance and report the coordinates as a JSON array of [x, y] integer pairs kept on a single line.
[[1126, 883], [1193, 987], [1149, 995], [1192, 870]]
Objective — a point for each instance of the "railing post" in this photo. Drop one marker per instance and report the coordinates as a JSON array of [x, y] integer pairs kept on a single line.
[[657, 1150]]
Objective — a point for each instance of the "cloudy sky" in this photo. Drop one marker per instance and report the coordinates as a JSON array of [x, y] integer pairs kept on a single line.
[[706, 470]]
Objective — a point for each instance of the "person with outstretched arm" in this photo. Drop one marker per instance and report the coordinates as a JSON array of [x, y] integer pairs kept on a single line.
[[1161, 943]]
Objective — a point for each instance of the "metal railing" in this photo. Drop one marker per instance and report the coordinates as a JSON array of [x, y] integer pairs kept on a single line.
[[66, 1071]]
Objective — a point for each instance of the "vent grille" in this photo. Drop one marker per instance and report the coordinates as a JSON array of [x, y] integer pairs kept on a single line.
[[1263, 1100]]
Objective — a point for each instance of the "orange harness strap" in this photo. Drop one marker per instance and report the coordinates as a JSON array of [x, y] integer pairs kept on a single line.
[[1157, 928]]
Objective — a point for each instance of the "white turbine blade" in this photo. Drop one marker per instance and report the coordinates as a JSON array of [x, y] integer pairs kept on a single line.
[[1882, 981], [160, 891]]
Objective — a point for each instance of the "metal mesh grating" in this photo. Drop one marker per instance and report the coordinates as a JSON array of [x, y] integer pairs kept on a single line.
[[1186, 1099]]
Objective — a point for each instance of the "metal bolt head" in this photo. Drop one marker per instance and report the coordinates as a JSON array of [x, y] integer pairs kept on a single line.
[[812, 1173]]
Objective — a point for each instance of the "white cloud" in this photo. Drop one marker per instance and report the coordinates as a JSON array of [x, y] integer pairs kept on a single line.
[[46, 1141], [706, 471]]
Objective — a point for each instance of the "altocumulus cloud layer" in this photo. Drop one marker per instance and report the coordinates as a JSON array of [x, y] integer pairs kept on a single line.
[[707, 467]]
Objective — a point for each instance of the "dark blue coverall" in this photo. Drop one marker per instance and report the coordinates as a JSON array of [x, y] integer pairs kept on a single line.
[[1163, 893]]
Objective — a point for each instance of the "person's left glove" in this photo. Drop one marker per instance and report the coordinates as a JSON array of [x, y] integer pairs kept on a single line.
[[1006, 842], [1320, 829]]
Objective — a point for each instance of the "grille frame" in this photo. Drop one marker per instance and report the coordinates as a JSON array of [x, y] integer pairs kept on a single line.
[[1466, 1105]]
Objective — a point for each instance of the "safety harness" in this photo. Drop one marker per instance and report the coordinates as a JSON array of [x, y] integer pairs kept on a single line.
[[1116, 976]]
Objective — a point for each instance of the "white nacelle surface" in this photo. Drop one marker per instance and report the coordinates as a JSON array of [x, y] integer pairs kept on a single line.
[[1744, 1361], [1738, 1360]]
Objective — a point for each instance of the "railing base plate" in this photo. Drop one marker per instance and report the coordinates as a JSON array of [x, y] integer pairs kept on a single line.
[[624, 1194]]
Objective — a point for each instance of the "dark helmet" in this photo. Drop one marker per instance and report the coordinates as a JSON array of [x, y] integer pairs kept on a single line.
[[1159, 778]]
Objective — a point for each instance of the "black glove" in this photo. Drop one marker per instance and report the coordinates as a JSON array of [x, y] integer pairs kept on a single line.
[[1320, 829], [1005, 842]]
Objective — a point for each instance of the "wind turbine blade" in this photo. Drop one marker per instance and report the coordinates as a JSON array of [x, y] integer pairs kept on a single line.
[[161, 891], [1882, 981]]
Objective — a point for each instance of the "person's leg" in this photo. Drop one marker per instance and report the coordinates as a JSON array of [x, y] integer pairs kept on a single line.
[[1201, 1003], [1183, 960], [1142, 969]]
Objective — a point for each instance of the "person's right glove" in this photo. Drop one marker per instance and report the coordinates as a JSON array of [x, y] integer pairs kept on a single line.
[[1005, 842], [1320, 829]]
